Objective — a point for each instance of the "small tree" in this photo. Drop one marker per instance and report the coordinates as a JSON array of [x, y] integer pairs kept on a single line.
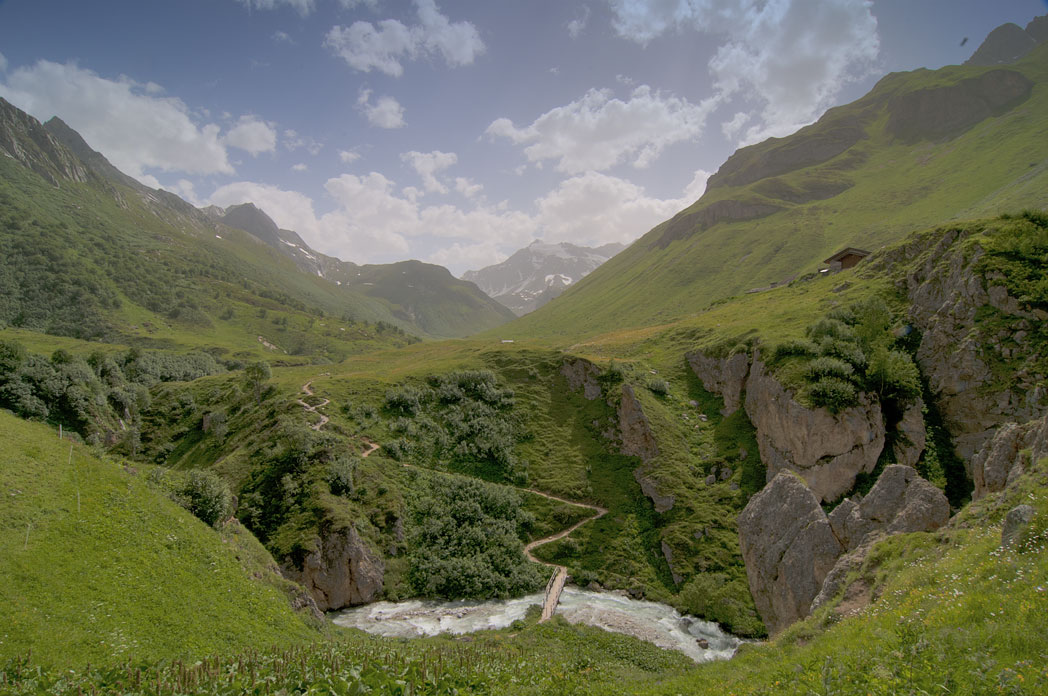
[[257, 375]]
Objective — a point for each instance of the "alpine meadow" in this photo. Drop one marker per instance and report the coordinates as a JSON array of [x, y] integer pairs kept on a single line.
[[538, 421]]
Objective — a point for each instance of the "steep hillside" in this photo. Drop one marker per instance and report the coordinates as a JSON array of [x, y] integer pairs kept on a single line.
[[536, 274], [99, 565], [920, 148]]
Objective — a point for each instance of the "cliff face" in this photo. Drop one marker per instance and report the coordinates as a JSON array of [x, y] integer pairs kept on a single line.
[[24, 139], [341, 570]]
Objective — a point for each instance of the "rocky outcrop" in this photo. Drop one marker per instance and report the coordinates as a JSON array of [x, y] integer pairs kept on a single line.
[[788, 548], [1005, 44], [901, 501], [582, 374], [912, 435], [667, 553], [340, 571], [1007, 455], [946, 292], [937, 113], [1015, 523], [798, 558], [25, 140], [724, 376], [638, 440], [827, 450]]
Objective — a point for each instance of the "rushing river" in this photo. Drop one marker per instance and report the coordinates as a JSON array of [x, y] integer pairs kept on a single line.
[[650, 621]]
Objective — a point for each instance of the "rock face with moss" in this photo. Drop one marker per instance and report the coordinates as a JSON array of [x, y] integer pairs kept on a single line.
[[1007, 455], [827, 450], [788, 548], [340, 571], [724, 376]]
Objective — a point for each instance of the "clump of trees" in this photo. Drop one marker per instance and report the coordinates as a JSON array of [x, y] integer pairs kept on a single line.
[[465, 542], [462, 420]]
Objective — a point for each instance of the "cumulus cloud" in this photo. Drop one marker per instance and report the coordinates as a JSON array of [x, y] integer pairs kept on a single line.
[[348, 156], [598, 131], [386, 45], [429, 165], [386, 112], [124, 120], [283, 37], [593, 209], [791, 56], [576, 26], [467, 187], [304, 7], [252, 135]]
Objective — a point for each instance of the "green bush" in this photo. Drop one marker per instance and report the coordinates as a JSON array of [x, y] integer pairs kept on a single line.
[[832, 393], [894, 376], [205, 495], [828, 367], [657, 385], [832, 328], [797, 347], [848, 351], [340, 475]]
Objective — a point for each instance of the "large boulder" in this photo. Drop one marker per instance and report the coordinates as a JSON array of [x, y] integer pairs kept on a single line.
[[1007, 455], [828, 450], [340, 571], [901, 501], [788, 548], [582, 375]]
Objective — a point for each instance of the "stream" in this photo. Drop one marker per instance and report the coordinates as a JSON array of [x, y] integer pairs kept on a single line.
[[649, 621]]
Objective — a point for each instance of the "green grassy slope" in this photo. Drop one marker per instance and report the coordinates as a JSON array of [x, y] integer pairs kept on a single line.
[[97, 566], [883, 185]]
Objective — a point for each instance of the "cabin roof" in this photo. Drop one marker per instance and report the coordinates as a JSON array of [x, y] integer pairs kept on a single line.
[[847, 251]]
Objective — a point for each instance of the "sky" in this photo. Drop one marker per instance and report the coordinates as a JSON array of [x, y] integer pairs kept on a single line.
[[459, 131]]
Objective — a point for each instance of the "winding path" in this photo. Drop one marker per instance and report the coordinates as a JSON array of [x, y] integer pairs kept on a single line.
[[560, 574]]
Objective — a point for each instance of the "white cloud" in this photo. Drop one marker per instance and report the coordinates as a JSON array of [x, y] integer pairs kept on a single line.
[[133, 129], [294, 141], [352, 4], [791, 56], [593, 209], [576, 26], [300, 167], [597, 131], [428, 165], [252, 135], [385, 45], [466, 187], [304, 7], [3, 63], [185, 189], [468, 256], [386, 112], [731, 127], [348, 156], [283, 37]]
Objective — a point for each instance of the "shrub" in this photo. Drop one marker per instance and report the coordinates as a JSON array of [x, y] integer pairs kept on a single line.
[[832, 328], [205, 495], [406, 399], [658, 385], [797, 347], [340, 475], [894, 376], [828, 367], [844, 350], [832, 393]]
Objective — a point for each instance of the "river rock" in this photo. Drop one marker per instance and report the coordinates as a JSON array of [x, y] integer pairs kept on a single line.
[[340, 571], [827, 450], [788, 548], [1015, 522]]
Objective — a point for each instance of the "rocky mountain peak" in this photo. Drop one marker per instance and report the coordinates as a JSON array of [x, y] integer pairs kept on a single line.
[[1010, 42], [25, 140]]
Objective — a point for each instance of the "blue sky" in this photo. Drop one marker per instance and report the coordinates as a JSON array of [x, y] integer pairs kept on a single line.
[[458, 131]]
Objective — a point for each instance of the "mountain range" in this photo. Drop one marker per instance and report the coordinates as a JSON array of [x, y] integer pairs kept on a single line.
[[539, 272]]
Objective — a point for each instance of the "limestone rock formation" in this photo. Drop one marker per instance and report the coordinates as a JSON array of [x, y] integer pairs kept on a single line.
[[827, 450], [788, 548], [341, 570], [1007, 455], [909, 447], [724, 376], [945, 293], [901, 501], [582, 374], [638, 440]]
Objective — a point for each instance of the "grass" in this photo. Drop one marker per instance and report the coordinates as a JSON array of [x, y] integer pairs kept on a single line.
[[97, 566]]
